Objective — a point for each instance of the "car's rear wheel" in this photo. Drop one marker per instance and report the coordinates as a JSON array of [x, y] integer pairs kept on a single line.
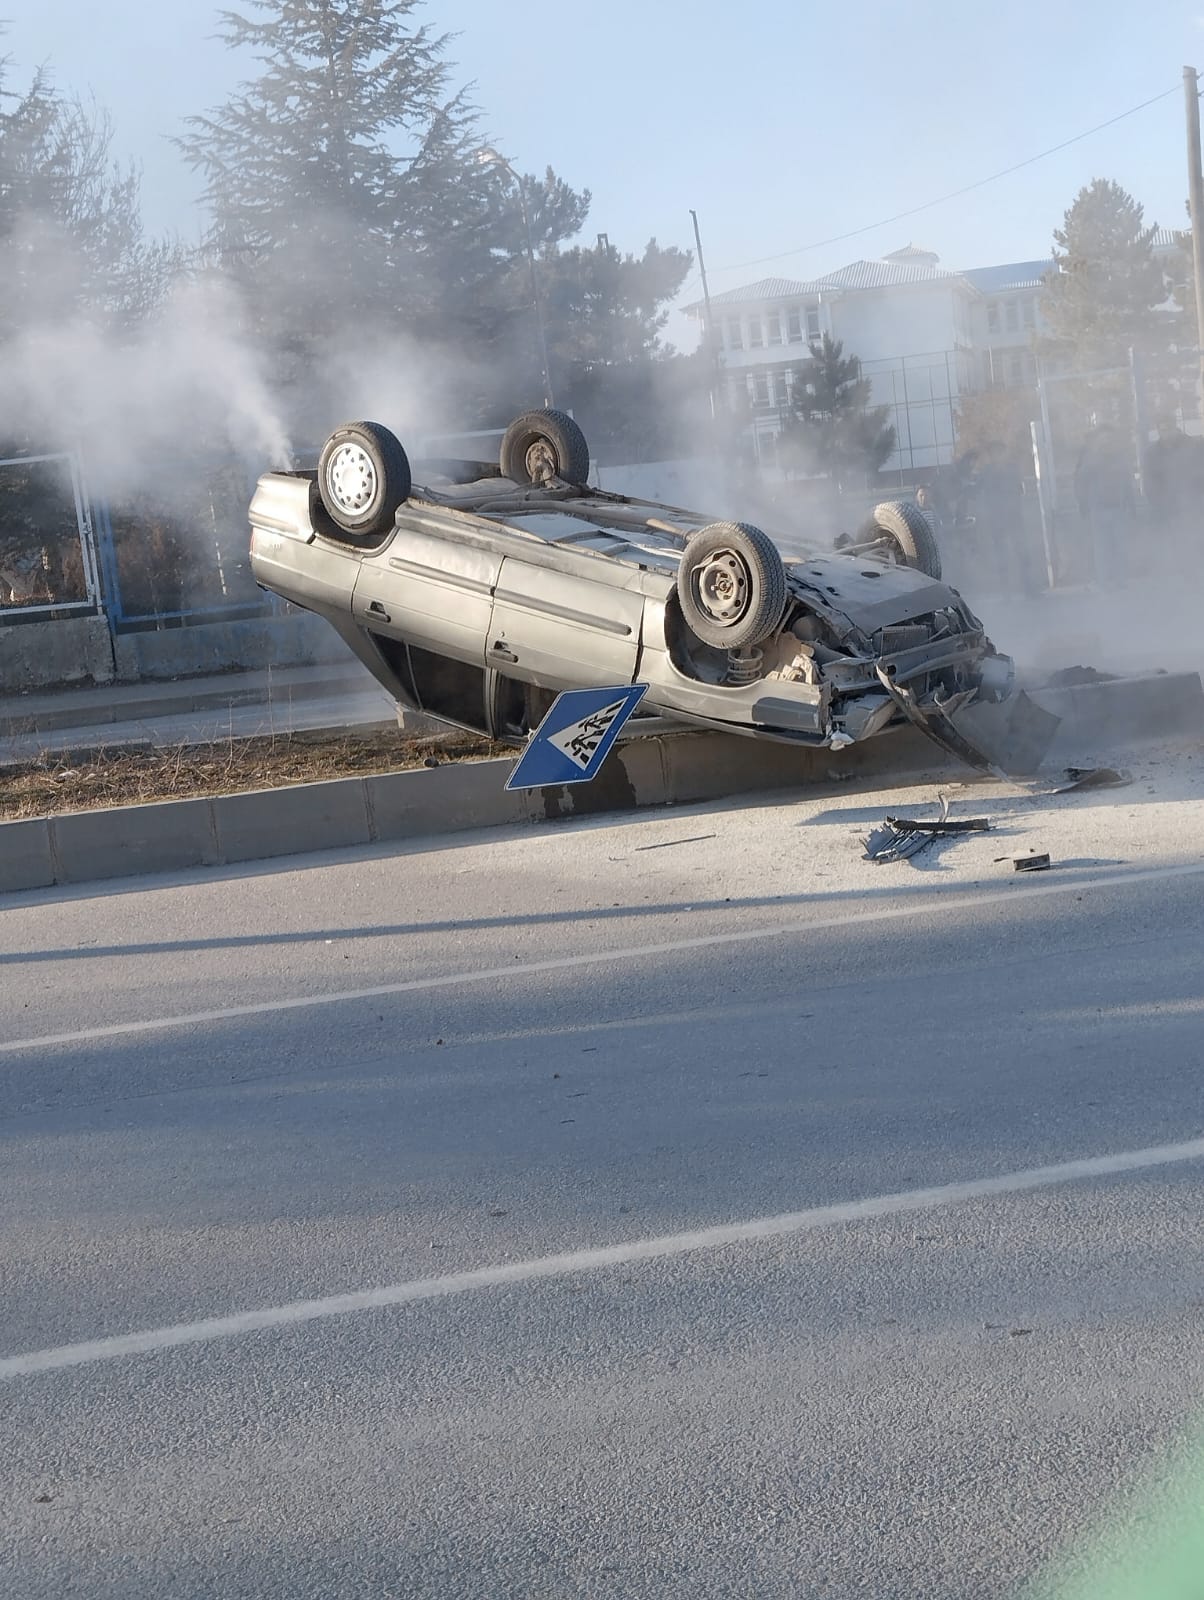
[[541, 445], [363, 476], [731, 585], [907, 532]]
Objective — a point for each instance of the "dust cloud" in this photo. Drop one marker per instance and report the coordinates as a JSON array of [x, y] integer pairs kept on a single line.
[[131, 405]]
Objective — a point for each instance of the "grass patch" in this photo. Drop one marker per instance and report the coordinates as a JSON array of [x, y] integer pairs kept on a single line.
[[91, 780]]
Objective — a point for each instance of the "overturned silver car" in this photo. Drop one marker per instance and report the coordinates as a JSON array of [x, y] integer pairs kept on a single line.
[[480, 591]]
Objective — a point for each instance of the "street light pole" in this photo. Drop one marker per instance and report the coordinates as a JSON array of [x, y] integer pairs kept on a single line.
[[1195, 192], [712, 342], [493, 158]]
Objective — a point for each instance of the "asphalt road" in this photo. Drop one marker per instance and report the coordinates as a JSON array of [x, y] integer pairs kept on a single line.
[[545, 1214]]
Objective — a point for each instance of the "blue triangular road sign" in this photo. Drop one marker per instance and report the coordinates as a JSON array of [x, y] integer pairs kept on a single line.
[[575, 737]]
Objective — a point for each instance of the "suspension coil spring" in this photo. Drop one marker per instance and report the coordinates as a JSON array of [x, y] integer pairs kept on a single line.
[[743, 666]]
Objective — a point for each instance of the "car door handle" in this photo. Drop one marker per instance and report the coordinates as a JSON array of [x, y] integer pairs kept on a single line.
[[503, 651], [378, 610]]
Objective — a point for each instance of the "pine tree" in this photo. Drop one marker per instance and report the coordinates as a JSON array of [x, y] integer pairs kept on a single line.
[[71, 238], [835, 428], [1100, 298], [350, 196], [301, 177]]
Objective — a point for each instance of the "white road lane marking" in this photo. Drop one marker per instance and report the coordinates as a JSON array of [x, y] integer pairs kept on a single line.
[[616, 1255], [600, 958]]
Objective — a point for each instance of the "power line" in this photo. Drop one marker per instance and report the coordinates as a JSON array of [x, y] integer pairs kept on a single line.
[[954, 194]]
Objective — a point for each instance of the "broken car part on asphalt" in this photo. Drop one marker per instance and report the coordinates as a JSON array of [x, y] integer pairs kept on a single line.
[[902, 837], [1093, 778], [1033, 863]]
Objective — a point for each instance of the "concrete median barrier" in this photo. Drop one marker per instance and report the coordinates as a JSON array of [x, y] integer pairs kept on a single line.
[[278, 822], [1150, 706], [667, 769], [124, 840]]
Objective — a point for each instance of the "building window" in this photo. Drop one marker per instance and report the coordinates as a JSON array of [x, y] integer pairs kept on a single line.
[[781, 384], [735, 337], [992, 318], [756, 333], [812, 324], [760, 388], [1028, 312], [795, 325], [1012, 316], [1016, 367], [774, 323]]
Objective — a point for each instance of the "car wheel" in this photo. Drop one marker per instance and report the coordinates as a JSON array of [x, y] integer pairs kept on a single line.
[[363, 476], [904, 527], [731, 585], [544, 444]]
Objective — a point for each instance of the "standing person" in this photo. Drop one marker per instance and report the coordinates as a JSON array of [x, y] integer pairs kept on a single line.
[[1107, 502], [1173, 480], [929, 504]]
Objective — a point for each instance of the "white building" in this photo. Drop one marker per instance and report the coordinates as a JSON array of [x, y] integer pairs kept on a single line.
[[924, 336], [907, 319]]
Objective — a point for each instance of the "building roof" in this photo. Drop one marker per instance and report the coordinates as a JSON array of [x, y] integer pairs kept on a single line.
[[884, 274], [1011, 275], [913, 252], [857, 275], [764, 289], [912, 264]]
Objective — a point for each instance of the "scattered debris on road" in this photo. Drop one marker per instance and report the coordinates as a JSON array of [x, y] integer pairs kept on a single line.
[[1030, 863], [666, 844], [1093, 778], [902, 837]]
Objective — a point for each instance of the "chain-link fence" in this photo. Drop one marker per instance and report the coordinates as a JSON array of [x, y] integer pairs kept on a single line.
[[47, 554], [170, 559]]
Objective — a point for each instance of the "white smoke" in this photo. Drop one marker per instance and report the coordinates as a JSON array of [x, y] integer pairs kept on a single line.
[[134, 404]]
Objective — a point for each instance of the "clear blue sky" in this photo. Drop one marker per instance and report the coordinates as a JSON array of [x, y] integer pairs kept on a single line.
[[780, 122]]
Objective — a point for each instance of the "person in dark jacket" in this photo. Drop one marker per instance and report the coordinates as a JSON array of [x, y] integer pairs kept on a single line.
[[1174, 482]]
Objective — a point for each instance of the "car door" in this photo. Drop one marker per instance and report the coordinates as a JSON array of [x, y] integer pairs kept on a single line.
[[565, 625], [430, 590]]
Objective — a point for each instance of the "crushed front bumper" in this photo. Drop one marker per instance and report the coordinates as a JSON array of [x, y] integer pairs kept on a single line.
[[1006, 736]]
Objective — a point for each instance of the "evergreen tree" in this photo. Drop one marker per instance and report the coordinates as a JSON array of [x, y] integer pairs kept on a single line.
[[1100, 298], [835, 429], [71, 236], [354, 203], [349, 195], [301, 178]]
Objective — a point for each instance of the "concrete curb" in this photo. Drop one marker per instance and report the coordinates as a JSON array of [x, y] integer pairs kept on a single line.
[[89, 846]]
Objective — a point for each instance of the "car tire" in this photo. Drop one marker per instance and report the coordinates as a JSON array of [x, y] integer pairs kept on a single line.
[[731, 585], [363, 476], [906, 527], [543, 444]]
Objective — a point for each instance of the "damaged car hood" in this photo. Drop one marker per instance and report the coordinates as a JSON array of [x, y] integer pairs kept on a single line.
[[871, 595]]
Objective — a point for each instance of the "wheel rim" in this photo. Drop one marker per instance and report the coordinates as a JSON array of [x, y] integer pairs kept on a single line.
[[351, 479], [722, 587], [540, 461]]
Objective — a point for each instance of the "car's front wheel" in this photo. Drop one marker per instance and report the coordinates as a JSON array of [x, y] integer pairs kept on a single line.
[[541, 445], [363, 476], [731, 585]]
